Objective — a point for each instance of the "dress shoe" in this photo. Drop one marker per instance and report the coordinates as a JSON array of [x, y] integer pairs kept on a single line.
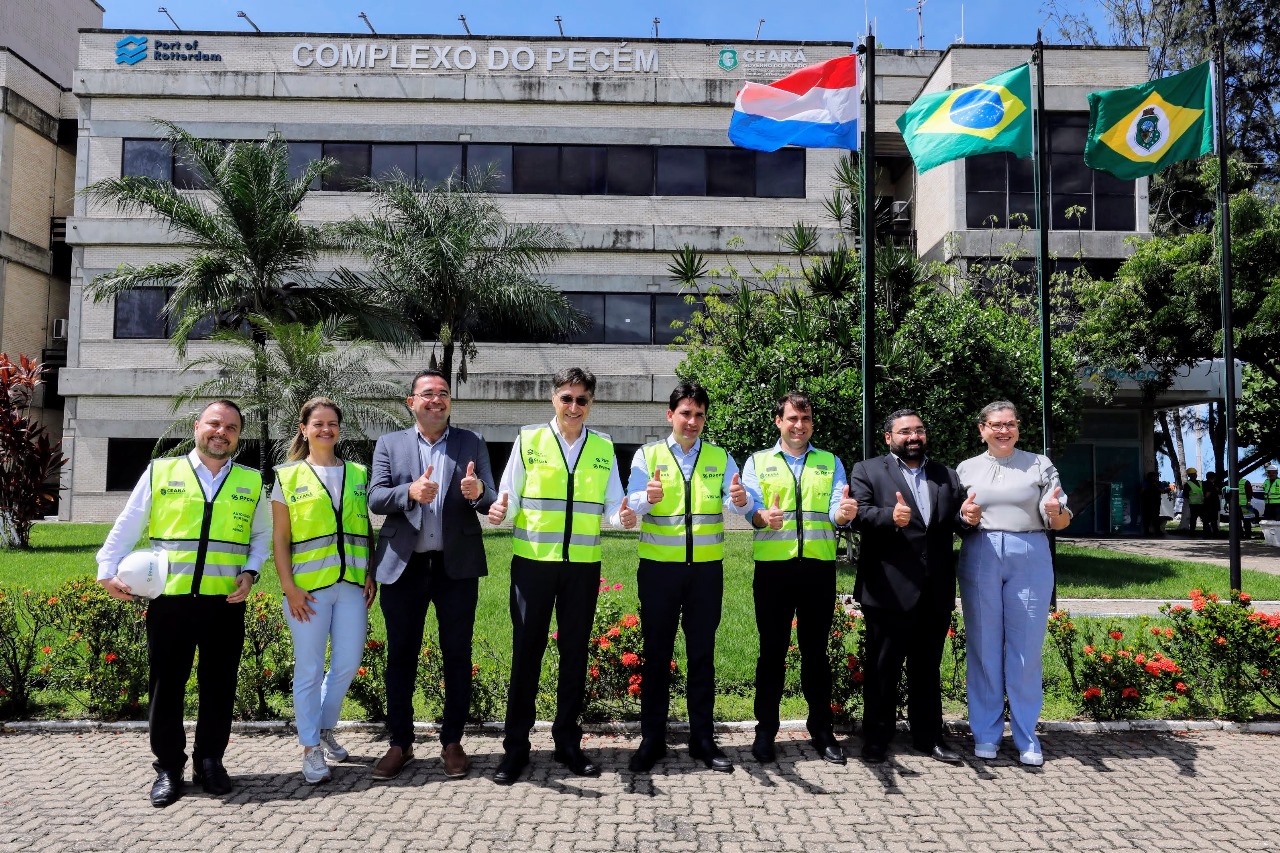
[[390, 765], [510, 767], [212, 777], [874, 752], [829, 749], [710, 754], [648, 753], [578, 762], [939, 751], [456, 763], [762, 749], [167, 789]]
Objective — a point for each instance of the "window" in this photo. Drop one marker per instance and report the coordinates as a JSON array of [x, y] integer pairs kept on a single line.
[[492, 162], [682, 171], [439, 161], [780, 174], [591, 305], [668, 309], [147, 158], [138, 314], [731, 172], [387, 160], [353, 165], [535, 168], [301, 155], [184, 176], [630, 170], [128, 458], [628, 318], [583, 170]]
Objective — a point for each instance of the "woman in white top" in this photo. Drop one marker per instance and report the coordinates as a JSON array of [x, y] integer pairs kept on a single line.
[[321, 549], [1006, 582]]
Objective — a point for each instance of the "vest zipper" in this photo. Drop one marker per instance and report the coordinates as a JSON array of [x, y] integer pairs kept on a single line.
[[568, 500], [799, 506], [202, 549], [688, 506], [342, 539]]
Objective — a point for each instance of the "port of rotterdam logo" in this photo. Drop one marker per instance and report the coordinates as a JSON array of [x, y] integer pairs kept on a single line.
[[131, 50]]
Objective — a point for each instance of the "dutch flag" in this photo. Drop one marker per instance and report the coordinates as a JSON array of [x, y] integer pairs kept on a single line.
[[815, 107]]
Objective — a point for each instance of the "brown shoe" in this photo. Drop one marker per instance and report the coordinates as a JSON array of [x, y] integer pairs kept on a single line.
[[390, 765], [456, 763]]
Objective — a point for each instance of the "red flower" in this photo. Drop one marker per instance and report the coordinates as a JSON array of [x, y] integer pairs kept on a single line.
[[267, 673], [1197, 604], [1139, 659], [1180, 687], [362, 671], [836, 709], [1155, 632], [1088, 650], [595, 672], [110, 657], [555, 635], [1177, 608], [1264, 672], [615, 631], [635, 679], [630, 620], [604, 643], [1222, 641], [630, 659], [53, 600], [1117, 635], [1124, 653], [634, 689], [951, 632], [374, 644], [858, 676], [47, 650], [1245, 597], [673, 666], [1092, 693], [1105, 658], [851, 662], [1168, 632], [1130, 693], [475, 670], [1195, 593], [617, 586]]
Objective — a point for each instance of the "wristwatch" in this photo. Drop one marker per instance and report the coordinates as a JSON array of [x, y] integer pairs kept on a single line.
[[253, 576]]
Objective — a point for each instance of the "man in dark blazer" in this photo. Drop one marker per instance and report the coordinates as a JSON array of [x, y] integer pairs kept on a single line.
[[909, 510], [430, 481]]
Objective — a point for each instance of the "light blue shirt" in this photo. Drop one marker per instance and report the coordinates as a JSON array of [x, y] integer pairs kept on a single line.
[[918, 484], [430, 531], [640, 477], [751, 480]]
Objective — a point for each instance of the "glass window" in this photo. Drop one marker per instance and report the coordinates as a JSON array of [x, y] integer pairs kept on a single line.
[[1069, 174], [492, 163], [627, 318], [1114, 212], [682, 171], [985, 173], [668, 309], [1022, 210], [1067, 133], [582, 169], [1062, 221], [138, 314], [630, 170], [353, 165], [147, 158], [128, 458], [185, 177], [535, 168], [985, 210], [592, 307], [300, 155], [780, 174], [1022, 174], [386, 160], [731, 172], [439, 161]]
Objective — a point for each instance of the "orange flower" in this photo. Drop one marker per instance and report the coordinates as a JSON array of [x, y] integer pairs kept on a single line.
[[634, 689], [1245, 597], [1092, 693], [630, 659], [1088, 650], [630, 620], [362, 671], [615, 631], [1117, 635], [604, 643], [1222, 641], [1130, 693]]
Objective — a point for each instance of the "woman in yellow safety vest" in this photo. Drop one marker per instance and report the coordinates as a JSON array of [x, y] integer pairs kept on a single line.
[[321, 538]]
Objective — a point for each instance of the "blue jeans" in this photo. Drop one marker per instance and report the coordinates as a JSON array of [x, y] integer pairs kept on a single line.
[[317, 695], [1006, 580]]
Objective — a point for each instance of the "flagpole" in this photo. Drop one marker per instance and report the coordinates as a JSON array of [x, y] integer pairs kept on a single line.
[[869, 250], [1231, 489], [1042, 262]]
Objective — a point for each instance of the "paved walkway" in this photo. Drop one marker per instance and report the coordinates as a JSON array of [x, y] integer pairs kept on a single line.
[[1254, 554], [1133, 791]]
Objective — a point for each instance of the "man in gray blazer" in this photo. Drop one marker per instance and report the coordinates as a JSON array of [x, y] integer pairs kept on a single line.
[[430, 481]]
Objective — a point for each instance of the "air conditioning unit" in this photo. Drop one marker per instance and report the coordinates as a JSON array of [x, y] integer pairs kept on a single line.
[[901, 211], [60, 329]]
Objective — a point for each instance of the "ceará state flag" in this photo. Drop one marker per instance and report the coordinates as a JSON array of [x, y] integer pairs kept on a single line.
[[815, 107]]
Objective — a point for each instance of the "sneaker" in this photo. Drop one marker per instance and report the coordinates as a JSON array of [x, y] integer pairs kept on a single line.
[[985, 750], [314, 768], [332, 748], [1031, 757]]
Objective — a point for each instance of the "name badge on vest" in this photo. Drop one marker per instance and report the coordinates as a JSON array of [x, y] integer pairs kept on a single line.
[[243, 490]]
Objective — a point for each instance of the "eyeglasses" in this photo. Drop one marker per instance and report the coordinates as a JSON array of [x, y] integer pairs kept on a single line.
[[431, 395], [1007, 426], [907, 433], [582, 401]]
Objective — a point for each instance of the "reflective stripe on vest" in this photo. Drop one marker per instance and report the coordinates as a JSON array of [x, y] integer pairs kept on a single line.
[[327, 545], [814, 535], [1271, 491], [687, 525], [560, 510], [1195, 493], [207, 540]]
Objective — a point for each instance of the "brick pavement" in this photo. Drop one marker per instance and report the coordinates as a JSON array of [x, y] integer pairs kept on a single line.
[[1203, 790]]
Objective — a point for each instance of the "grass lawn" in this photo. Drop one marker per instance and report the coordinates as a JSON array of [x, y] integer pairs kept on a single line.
[[1098, 573]]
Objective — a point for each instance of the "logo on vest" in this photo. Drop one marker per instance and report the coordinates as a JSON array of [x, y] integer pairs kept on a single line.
[[602, 463]]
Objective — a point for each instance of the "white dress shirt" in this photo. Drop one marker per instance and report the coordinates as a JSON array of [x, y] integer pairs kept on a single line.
[[513, 475], [638, 484]]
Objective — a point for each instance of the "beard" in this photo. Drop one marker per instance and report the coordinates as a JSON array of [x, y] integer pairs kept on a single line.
[[912, 449], [223, 453]]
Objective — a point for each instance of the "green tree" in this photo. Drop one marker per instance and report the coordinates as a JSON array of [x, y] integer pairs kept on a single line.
[[447, 258]]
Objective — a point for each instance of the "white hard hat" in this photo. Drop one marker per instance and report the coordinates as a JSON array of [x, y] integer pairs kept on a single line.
[[145, 571]]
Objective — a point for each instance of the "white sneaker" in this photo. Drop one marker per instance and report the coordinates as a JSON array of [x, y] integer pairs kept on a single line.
[[1031, 758], [314, 768], [985, 750], [332, 748]]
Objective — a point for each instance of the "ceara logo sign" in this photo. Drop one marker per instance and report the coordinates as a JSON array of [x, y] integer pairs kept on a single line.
[[131, 50], [728, 59]]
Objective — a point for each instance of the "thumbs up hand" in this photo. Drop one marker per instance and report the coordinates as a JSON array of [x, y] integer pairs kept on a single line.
[[424, 489], [470, 485], [737, 492], [653, 490], [970, 511], [627, 515], [498, 510], [1053, 506], [847, 510], [773, 516], [901, 511]]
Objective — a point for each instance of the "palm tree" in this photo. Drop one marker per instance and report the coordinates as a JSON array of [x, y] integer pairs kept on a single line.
[[250, 253], [450, 260], [300, 362]]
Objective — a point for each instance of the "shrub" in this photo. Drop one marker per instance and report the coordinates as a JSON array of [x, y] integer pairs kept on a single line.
[[369, 687], [29, 461], [1115, 677], [102, 661], [846, 649], [488, 682], [266, 663], [26, 636]]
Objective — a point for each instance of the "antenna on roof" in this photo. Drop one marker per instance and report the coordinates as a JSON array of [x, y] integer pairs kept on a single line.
[[463, 18], [655, 27], [365, 18], [920, 19], [560, 24], [759, 27], [170, 17], [250, 20]]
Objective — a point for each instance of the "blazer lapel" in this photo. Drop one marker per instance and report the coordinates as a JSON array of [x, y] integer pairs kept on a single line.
[[900, 483]]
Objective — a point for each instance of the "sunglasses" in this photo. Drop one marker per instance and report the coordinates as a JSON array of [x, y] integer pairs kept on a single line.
[[582, 401]]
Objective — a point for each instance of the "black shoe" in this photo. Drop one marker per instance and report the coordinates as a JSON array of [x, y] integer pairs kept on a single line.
[[939, 751], [167, 789], [710, 754], [510, 767], [762, 749], [874, 752], [648, 753], [828, 748], [212, 777], [578, 762]]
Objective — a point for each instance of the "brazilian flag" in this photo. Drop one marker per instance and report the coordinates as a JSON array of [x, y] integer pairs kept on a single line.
[[1140, 130], [980, 119]]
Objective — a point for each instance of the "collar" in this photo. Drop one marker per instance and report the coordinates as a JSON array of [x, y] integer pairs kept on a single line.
[[675, 446], [907, 468], [778, 448], [443, 436], [197, 464], [555, 427]]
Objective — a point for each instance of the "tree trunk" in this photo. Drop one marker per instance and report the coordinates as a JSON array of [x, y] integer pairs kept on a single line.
[[1179, 471], [446, 363], [1218, 436], [1168, 445]]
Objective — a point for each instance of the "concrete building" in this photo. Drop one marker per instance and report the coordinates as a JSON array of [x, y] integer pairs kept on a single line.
[[620, 144]]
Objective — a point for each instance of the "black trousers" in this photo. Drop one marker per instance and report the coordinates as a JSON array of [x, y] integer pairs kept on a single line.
[[178, 625], [404, 610], [538, 588], [672, 594], [915, 637], [803, 589]]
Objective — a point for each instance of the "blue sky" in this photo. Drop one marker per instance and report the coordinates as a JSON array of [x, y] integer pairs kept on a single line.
[[985, 21]]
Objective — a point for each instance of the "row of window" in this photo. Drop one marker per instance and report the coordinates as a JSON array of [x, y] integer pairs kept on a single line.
[[613, 318], [630, 170]]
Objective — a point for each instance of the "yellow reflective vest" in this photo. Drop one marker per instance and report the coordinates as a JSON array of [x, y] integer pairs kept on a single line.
[[1271, 491], [561, 510], [207, 540], [807, 530], [687, 525], [327, 545]]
